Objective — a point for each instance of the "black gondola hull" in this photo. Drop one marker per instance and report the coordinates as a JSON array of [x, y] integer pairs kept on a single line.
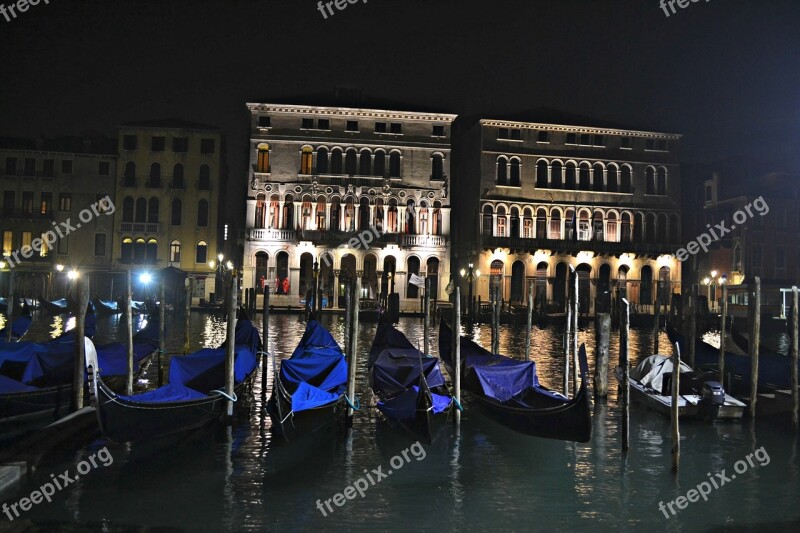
[[291, 425]]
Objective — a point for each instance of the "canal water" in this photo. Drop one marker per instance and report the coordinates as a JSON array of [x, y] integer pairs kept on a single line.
[[482, 477]]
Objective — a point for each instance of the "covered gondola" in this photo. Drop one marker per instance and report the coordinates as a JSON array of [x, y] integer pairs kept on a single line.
[[107, 307], [309, 389], [54, 307], [509, 392], [19, 327]]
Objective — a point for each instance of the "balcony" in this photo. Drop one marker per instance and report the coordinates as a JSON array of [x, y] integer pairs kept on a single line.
[[424, 240], [139, 227], [345, 180], [276, 235], [570, 246]]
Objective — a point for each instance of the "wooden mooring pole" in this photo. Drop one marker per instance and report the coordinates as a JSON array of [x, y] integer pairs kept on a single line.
[[427, 317], [723, 335], [348, 315], [351, 375], [575, 313], [10, 304], [162, 318], [795, 391], [657, 321], [624, 331], [567, 334], [129, 332], [187, 314], [265, 342], [675, 408], [529, 323], [692, 336], [602, 344], [230, 351], [80, 344], [755, 346], [457, 351]]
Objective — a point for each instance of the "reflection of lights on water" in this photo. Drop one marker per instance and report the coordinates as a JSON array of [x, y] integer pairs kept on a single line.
[[58, 327]]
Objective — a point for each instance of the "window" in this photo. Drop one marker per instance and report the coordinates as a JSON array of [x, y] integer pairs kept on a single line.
[[365, 163], [63, 245], [27, 202], [175, 251], [27, 238], [323, 124], [650, 180], [322, 160], [379, 163], [658, 145], [100, 244], [207, 146], [543, 136], [516, 135], [177, 177], [152, 211], [625, 143], [515, 173], [438, 131], [586, 139], [127, 250], [708, 193], [502, 171], [263, 122], [48, 168], [151, 252], [46, 205], [502, 133], [157, 144], [129, 142], [201, 252], [306, 158], [9, 199], [11, 166], [65, 202], [180, 144], [599, 140], [202, 213], [30, 167], [44, 250], [661, 181], [100, 203], [571, 138], [380, 127], [307, 124], [350, 162], [155, 176], [130, 174], [396, 128], [204, 182], [394, 165], [262, 164], [352, 125], [437, 167], [103, 168], [139, 248], [8, 243]]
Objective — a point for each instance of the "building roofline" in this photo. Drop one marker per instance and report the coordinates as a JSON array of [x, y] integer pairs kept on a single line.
[[350, 111], [578, 129]]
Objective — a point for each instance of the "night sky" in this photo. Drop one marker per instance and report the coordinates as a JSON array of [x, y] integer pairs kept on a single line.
[[723, 73]]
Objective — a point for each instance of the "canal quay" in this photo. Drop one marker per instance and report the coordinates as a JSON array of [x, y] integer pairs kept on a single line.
[[479, 477]]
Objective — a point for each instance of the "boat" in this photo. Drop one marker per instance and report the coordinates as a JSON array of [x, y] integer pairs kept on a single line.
[[19, 327], [36, 379], [409, 385], [700, 395], [55, 307], [369, 311], [107, 307], [308, 394], [508, 391], [194, 396]]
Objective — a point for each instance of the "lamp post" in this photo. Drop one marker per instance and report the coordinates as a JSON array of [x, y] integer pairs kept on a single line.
[[462, 274], [707, 283]]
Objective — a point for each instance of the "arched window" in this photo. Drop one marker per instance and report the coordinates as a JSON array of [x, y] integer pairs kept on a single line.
[[262, 165], [306, 160], [349, 215], [502, 171], [152, 211], [541, 174], [177, 176], [638, 228], [288, 212], [612, 234], [556, 175], [541, 223], [350, 162], [394, 165], [674, 227], [201, 252], [204, 183], [625, 180], [437, 167], [612, 178], [598, 229], [570, 181], [662, 228], [151, 252], [437, 218], [501, 222], [363, 214], [202, 213], [554, 231], [585, 177], [379, 164], [411, 218], [412, 291], [646, 289], [127, 250], [662, 181], [334, 222], [584, 231], [488, 226], [261, 206], [139, 251], [141, 210], [127, 209], [515, 173], [392, 215], [423, 218], [365, 163], [322, 160], [321, 204], [336, 161], [155, 176], [130, 174], [514, 226], [625, 231], [650, 180], [177, 212], [598, 183], [650, 228], [175, 252], [527, 223]]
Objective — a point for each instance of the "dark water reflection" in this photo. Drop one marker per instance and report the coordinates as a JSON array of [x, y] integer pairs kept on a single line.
[[483, 477]]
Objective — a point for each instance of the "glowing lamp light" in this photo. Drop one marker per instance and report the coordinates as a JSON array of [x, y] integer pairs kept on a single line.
[[229, 265], [706, 280], [713, 274], [72, 274], [220, 257], [478, 273], [2, 264], [462, 272], [146, 278], [60, 268]]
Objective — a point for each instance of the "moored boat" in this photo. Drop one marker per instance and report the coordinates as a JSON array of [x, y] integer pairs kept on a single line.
[[107, 307], [19, 327], [509, 392], [55, 307]]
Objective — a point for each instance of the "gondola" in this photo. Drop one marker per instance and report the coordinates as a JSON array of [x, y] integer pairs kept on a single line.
[[54, 307], [107, 307], [36, 379], [19, 327], [194, 397], [508, 391], [409, 385], [308, 394]]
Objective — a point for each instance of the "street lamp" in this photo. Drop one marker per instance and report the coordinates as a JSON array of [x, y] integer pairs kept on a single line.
[[72, 275]]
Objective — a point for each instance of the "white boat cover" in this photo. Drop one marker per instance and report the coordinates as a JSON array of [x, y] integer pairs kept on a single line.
[[650, 371]]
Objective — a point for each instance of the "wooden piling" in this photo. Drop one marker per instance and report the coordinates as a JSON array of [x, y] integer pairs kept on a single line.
[[723, 334], [795, 391], [692, 336], [529, 324], [602, 344], [348, 314], [575, 313], [230, 347], [567, 335], [162, 340], [657, 321], [351, 375], [624, 331], [265, 342], [80, 344], [675, 408], [426, 317], [457, 351], [129, 332], [755, 342], [10, 304]]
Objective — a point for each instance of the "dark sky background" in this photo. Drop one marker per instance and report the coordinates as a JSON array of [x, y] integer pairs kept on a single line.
[[723, 73]]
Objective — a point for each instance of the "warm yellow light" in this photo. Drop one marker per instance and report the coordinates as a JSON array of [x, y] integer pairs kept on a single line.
[[463, 272], [2, 264], [478, 273], [220, 257], [713, 274], [60, 267], [706, 280], [229, 265], [72, 274], [211, 264]]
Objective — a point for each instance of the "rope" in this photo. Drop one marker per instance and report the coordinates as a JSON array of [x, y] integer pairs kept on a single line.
[[225, 394], [357, 406], [291, 413], [458, 404]]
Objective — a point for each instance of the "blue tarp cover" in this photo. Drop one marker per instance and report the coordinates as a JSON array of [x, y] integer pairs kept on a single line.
[[317, 368], [8, 386], [19, 327], [396, 370], [404, 405], [387, 336]]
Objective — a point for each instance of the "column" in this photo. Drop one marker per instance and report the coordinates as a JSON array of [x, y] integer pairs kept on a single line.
[[327, 214]]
